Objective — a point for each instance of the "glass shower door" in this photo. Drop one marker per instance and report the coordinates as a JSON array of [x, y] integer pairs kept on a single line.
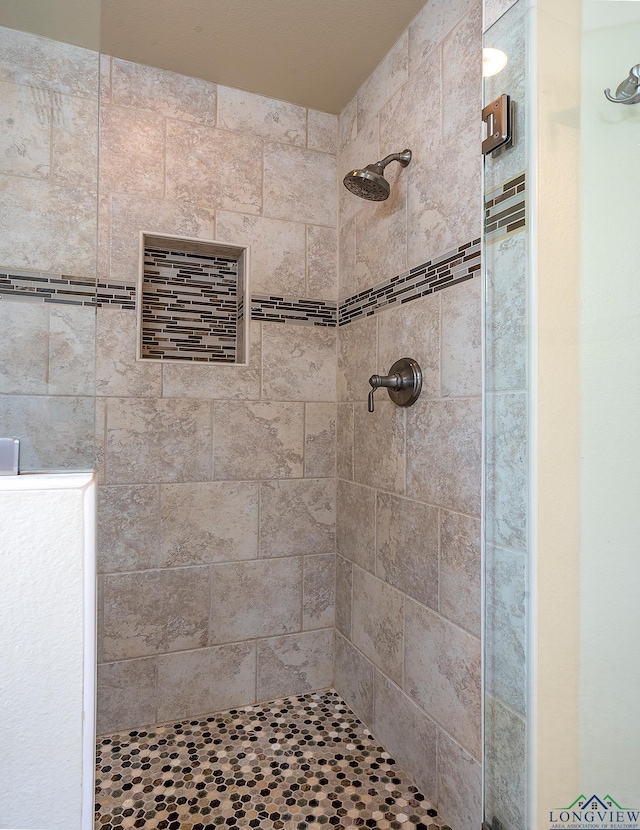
[[506, 253]]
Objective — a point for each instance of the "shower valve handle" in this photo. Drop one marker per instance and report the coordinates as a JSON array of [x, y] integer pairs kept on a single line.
[[389, 381], [404, 383]]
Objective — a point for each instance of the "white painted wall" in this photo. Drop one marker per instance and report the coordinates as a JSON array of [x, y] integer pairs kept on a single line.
[[610, 376], [47, 645]]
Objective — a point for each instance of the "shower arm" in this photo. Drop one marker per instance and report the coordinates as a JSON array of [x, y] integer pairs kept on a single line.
[[629, 90], [403, 159]]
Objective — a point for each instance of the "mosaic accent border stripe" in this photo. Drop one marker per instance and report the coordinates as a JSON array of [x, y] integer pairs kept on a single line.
[[444, 271], [278, 309], [505, 209], [450, 269]]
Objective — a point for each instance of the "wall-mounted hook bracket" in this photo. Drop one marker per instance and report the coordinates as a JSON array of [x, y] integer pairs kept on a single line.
[[403, 383], [629, 90]]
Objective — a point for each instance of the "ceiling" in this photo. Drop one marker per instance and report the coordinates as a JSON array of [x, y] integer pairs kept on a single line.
[[310, 52]]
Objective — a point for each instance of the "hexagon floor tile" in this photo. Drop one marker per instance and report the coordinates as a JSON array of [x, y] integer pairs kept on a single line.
[[301, 763]]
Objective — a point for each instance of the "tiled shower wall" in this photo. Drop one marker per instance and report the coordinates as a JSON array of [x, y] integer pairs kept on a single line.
[[217, 496], [409, 480], [48, 220]]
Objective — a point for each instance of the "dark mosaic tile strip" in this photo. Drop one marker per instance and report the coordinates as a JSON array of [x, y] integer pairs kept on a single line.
[[301, 763], [505, 209], [278, 309], [449, 269]]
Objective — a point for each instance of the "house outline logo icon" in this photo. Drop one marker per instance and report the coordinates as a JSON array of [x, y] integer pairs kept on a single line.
[[595, 813]]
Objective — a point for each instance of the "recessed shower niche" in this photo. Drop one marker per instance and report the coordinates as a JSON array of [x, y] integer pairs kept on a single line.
[[193, 300]]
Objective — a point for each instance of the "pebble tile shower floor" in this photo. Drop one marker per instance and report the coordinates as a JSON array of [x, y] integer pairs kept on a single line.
[[300, 763]]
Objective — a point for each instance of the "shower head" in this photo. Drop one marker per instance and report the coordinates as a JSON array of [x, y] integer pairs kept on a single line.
[[370, 183]]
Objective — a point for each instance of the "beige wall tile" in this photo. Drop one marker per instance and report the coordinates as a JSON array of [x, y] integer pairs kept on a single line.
[[357, 347], [506, 315], [206, 680], [105, 79], [56, 432], [363, 149], [344, 576], [505, 776], [345, 438], [277, 251], [320, 440], [441, 217], [322, 263], [297, 517], [460, 570], [319, 588], [25, 334], [25, 140], [48, 64], [176, 96], [412, 117], [507, 470], [407, 734], [495, 9], [100, 438], [132, 214], [379, 446], [258, 440], [348, 124], [242, 599], [443, 453], [126, 695], [128, 528], [298, 363], [353, 679], [260, 116], [381, 235], [300, 185], [155, 440], [214, 168], [505, 632], [74, 142], [153, 612], [217, 382], [118, 373], [348, 278], [459, 785], [104, 234], [407, 535], [377, 623], [462, 339], [295, 664], [356, 511], [47, 228], [131, 151], [412, 330], [432, 24], [384, 81], [442, 674], [322, 131], [461, 61], [72, 350], [209, 522]]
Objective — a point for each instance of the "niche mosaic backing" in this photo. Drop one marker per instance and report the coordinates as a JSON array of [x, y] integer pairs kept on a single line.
[[190, 302]]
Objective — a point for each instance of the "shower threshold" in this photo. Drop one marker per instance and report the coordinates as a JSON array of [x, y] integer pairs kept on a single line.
[[299, 763]]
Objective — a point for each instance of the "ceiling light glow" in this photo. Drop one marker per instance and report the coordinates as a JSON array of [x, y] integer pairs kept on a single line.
[[493, 61]]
